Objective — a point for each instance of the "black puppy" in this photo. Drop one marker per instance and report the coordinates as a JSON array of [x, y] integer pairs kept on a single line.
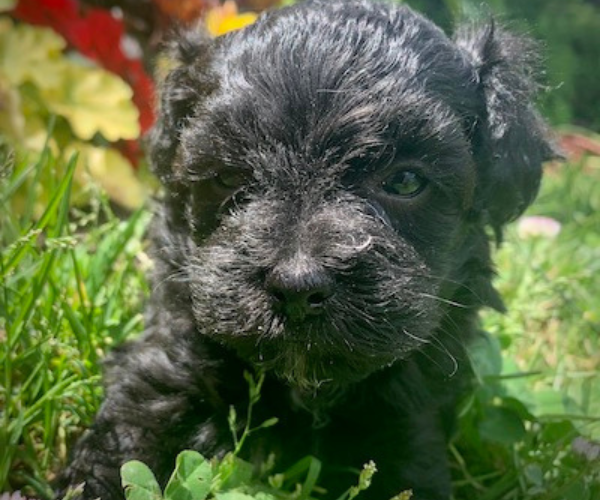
[[330, 172]]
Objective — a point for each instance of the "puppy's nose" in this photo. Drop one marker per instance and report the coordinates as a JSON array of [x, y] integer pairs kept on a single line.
[[300, 288]]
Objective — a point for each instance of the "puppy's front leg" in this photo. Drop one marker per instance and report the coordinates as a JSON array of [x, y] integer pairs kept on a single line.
[[394, 421], [424, 470], [161, 397], [410, 455]]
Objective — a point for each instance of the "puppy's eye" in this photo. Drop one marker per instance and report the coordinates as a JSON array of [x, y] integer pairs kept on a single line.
[[229, 180], [406, 184]]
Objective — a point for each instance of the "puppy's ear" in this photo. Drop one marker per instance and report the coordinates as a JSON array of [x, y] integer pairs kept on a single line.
[[511, 141], [188, 80]]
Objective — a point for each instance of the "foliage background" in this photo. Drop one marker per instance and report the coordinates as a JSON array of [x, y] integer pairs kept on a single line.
[[75, 97]]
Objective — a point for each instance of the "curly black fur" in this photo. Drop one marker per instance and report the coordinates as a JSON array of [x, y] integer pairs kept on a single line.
[[329, 173]]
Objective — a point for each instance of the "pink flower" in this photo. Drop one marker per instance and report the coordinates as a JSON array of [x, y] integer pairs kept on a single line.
[[15, 495], [538, 225]]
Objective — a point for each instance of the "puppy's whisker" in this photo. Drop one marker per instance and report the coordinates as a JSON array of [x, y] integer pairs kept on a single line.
[[415, 337], [444, 301], [445, 350], [180, 276], [439, 345], [460, 284]]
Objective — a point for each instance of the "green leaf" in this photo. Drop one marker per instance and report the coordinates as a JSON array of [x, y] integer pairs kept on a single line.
[[405, 495], [502, 425], [191, 479], [534, 474], [517, 407], [139, 482], [261, 495], [486, 355], [558, 432], [549, 402], [577, 491], [234, 495], [234, 472], [232, 421], [268, 423]]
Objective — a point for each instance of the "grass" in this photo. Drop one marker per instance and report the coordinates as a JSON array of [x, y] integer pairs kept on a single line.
[[72, 285], [521, 434], [551, 287]]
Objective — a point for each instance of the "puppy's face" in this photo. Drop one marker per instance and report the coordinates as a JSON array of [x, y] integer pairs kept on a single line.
[[326, 170]]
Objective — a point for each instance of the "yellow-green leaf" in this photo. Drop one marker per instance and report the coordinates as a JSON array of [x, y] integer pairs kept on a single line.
[[32, 54], [93, 101], [111, 171], [7, 5], [12, 121]]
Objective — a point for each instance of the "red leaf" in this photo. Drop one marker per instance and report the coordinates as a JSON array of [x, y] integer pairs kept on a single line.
[[56, 14], [98, 36]]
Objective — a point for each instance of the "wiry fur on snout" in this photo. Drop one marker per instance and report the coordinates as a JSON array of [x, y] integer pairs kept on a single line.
[[381, 309], [329, 173]]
